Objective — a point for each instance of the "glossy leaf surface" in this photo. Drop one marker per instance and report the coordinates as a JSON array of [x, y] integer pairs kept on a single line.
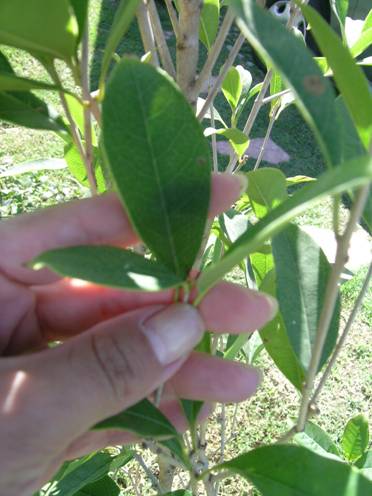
[[276, 341], [232, 87], [237, 139], [302, 273], [143, 419], [267, 188], [108, 266], [317, 440], [355, 438], [347, 176], [209, 18], [159, 160], [281, 470], [349, 77], [315, 96], [20, 27]]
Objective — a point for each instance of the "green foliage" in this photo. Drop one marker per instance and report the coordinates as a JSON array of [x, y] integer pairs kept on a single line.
[[237, 139], [143, 419], [80, 476], [316, 439], [122, 20], [344, 177], [20, 28], [160, 163], [315, 96], [348, 75], [108, 266], [281, 470], [267, 188], [302, 273], [355, 438], [209, 19], [232, 87]]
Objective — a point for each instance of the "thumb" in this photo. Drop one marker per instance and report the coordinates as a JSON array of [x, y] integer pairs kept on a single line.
[[111, 367]]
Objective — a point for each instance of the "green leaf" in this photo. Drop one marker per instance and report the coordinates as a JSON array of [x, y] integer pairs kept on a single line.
[[262, 263], [276, 86], [314, 93], [20, 27], [362, 43], [143, 419], [367, 22], [159, 160], [299, 179], [209, 19], [105, 486], [317, 440], [267, 188], [365, 464], [345, 177], [233, 224], [281, 470], [348, 76], [340, 8], [123, 18], [10, 82], [25, 109], [246, 95], [232, 87], [80, 8], [108, 266], [92, 469], [302, 273], [237, 139], [191, 410], [77, 167], [276, 341], [355, 438]]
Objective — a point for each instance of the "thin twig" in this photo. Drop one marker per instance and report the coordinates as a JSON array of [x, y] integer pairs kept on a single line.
[[89, 159], [223, 433], [329, 303], [219, 80], [273, 115], [252, 116], [173, 17], [270, 98], [147, 34], [214, 141], [214, 53], [148, 472], [357, 304], [161, 42], [74, 130]]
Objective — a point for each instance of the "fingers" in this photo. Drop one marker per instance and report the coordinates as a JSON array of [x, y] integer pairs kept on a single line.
[[65, 308], [209, 378], [97, 374], [91, 221]]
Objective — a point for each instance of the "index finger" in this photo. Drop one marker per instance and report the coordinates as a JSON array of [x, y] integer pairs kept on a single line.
[[98, 220]]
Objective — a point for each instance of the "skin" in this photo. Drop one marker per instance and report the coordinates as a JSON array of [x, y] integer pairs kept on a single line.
[[50, 397]]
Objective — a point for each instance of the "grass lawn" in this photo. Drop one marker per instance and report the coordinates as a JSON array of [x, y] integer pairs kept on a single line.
[[263, 418]]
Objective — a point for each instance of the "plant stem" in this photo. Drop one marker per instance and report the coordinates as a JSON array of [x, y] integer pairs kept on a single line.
[[148, 472], [89, 158], [214, 142], [329, 303], [270, 98], [273, 116], [147, 34], [214, 53], [252, 116], [74, 130], [161, 42], [218, 83], [357, 304], [188, 47], [173, 17]]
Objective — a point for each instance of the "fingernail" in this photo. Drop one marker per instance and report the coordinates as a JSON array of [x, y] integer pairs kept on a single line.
[[243, 182], [173, 332]]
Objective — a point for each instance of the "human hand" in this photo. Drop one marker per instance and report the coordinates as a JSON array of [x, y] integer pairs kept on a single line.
[[118, 346]]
